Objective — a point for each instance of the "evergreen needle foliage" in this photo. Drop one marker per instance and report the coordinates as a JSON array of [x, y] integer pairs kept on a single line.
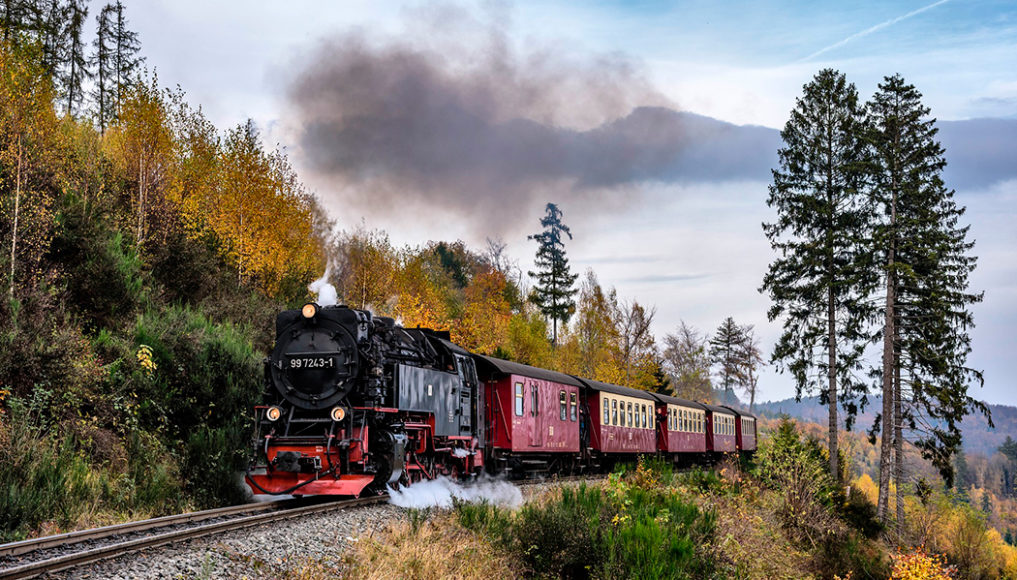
[[554, 290]]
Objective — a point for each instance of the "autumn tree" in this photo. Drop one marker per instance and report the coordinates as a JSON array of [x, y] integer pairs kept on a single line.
[[637, 350], [554, 290], [594, 332], [751, 358], [141, 144], [687, 360], [29, 141], [924, 252], [820, 278]]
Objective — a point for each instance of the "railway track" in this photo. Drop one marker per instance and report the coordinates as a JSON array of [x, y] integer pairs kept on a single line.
[[35, 557], [50, 554]]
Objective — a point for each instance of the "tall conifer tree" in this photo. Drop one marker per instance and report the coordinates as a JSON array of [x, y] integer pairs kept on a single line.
[[725, 350], [554, 290], [102, 61], [924, 254], [820, 276], [76, 70], [126, 62]]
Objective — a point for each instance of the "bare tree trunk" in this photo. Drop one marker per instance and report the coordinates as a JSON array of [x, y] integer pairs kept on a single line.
[[141, 199], [898, 448], [889, 363], [14, 231], [832, 393]]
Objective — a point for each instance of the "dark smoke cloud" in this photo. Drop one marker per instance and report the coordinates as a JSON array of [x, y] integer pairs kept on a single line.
[[463, 121]]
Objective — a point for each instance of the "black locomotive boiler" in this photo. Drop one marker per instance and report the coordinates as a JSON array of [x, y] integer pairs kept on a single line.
[[359, 401]]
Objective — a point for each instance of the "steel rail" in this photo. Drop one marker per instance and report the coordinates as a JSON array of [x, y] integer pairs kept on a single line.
[[69, 538], [115, 550]]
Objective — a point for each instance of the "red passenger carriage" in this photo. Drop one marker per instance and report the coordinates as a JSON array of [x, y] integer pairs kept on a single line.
[[622, 419], [530, 410], [721, 436], [745, 429], [681, 425]]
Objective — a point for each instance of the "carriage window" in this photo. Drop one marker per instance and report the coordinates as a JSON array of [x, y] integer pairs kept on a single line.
[[614, 412], [607, 411], [519, 399], [533, 393], [646, 417], [631, 421], [573, 406], [682, 420], [561, 405]]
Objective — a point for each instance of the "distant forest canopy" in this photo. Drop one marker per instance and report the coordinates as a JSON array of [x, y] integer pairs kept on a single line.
[[978, 436]]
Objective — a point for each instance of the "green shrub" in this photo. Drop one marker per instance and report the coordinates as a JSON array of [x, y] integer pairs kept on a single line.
[[33, 473], [797, 469], [622, 531]]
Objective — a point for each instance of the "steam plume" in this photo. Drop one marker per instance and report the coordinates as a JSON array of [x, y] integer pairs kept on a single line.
[[439, 493], [452, 118]]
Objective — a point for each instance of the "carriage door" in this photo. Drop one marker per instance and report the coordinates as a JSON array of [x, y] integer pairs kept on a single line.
[[536, 417], [468, 379]]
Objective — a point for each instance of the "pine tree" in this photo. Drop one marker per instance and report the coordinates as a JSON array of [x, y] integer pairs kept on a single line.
[[76, 70], [725, 352], [15, 19], [126, 62], [51, 20], [925, 269], [554, 290], [820, 276], [116, 62], [102, 63]]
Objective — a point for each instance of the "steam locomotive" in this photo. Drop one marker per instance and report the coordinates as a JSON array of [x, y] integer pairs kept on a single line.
[[359, 403]]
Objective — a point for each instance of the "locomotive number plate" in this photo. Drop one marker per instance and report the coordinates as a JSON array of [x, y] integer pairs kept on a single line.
[[312, 362]]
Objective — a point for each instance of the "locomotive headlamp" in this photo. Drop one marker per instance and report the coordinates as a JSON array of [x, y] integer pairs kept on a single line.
[[273, 413], [309, 310], [338, 414]]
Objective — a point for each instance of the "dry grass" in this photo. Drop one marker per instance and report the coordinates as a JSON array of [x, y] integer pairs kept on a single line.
[[749, 539], [432, 550]]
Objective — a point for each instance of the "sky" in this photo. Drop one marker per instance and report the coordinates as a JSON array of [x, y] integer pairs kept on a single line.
[[652, 124]]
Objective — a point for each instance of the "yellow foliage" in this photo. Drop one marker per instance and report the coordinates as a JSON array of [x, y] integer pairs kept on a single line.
[[868, 487], [917, 565]]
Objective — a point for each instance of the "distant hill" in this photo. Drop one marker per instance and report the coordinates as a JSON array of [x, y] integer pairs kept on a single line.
[[978, 437]]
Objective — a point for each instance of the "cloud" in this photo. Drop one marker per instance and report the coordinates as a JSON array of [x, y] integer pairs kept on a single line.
[[979, 152], [667, 278]]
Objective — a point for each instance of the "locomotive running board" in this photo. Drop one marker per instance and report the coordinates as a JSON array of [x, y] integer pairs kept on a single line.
[[284, 482]]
